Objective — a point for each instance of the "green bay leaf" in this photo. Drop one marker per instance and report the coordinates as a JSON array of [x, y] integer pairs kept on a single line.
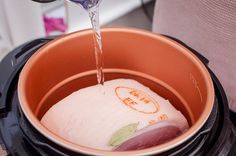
[[122, 134]]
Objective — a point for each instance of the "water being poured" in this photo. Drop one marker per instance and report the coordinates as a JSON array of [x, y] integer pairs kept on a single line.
[[94, 16], [92, 6]]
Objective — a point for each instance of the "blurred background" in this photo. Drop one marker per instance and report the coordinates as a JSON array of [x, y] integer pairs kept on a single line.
[[24, 20]]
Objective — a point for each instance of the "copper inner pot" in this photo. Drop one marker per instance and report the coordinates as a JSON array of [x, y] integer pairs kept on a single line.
[[67, 64]]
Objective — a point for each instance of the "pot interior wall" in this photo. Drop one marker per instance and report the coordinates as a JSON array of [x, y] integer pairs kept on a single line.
[[86, 79]]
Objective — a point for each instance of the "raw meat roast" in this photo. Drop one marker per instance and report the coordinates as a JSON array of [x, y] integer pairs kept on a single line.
[[121, 115]]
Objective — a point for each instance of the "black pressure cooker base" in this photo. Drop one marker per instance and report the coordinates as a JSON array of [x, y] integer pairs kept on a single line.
[[20, 138]]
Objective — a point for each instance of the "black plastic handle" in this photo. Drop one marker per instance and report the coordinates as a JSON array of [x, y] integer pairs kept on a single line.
[[11, 65]]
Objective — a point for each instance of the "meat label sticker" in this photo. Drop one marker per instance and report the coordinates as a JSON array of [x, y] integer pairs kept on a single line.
[[137, 100]]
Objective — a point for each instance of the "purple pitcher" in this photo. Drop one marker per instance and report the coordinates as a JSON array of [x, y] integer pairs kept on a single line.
[[87, 4]]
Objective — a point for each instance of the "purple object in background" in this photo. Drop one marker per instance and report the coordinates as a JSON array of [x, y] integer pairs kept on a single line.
[[54, 24], [87, 4]]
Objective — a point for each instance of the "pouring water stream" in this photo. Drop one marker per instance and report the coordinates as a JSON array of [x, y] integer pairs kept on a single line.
[[92, 7]]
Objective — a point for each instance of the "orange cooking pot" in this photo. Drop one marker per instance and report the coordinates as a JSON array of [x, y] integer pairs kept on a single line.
[[67, 64]]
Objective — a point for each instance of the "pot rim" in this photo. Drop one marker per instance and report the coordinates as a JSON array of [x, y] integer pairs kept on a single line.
[[87, 150]]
